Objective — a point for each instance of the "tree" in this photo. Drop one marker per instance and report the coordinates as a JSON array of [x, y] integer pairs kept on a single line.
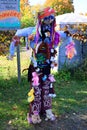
[[60, 6], [27, 18]]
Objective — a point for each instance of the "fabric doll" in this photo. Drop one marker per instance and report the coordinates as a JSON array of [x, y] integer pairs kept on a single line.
[[51, 78], [70, 50], [31, 95], [49, 115], [35, 118], [35, 79]]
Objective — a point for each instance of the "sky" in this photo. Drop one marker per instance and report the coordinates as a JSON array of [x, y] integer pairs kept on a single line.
[[80, 6], [33, 2]]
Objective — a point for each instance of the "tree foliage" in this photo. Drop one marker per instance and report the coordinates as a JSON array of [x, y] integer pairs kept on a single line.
[[5, 40], [27, 18], [60, 6]]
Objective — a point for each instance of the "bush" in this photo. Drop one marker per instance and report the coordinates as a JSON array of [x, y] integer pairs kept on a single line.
[[63, 75], [80, 72], [76, 72], [5, 40]]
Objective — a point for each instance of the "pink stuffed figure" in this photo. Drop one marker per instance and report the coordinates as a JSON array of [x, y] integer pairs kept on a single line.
[[70, 50], [51, 78], [35, 79]]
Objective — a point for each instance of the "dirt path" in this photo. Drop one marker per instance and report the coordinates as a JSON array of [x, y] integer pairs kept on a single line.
[[65, 122]]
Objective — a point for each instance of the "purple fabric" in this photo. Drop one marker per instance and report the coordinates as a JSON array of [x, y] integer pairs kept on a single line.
[[37, 31], [56, 39]]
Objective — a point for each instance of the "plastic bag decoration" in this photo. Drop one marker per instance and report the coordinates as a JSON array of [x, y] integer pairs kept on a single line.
[[70, 50]]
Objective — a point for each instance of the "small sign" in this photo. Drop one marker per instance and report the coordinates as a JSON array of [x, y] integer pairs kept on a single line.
[[9, 14]]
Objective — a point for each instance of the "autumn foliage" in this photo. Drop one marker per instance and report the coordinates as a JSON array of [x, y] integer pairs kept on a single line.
[[27, 18], [60, 6], [5, 39]]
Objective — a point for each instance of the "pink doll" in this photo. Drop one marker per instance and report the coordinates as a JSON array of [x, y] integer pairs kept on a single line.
[[35, 79]]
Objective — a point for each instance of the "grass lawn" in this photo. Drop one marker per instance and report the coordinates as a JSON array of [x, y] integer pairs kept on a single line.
[[71, 96]]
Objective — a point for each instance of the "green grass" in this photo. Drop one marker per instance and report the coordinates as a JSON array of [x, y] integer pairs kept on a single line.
[[13, 102], [71, 96]]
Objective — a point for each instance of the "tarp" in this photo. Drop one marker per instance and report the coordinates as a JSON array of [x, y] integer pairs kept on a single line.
[[71, 18]]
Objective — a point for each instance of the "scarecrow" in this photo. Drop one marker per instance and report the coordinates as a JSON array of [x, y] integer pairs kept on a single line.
[[42, 61], [44, 40]]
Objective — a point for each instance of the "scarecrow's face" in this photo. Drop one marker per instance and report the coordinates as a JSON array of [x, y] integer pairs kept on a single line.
[[48, 20], [46, 25]]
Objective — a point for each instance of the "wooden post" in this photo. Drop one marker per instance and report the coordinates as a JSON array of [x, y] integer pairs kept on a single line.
[[18, 63]]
